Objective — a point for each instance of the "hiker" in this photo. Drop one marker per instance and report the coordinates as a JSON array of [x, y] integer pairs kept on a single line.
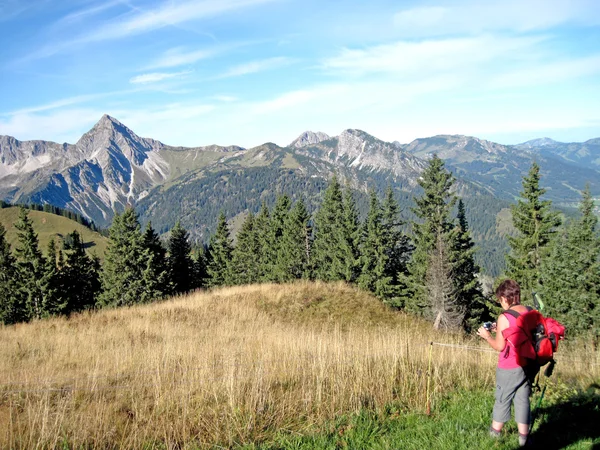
[[512, 382]]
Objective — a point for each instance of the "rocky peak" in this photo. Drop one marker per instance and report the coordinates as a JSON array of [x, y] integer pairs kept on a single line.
[[110, 135], [309, 138], [541, 142]]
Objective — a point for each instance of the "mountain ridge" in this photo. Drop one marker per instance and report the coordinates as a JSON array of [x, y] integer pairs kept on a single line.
[[111, 167]]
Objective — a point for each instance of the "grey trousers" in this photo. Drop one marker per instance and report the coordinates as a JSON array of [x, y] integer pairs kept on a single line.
[[512, 385]]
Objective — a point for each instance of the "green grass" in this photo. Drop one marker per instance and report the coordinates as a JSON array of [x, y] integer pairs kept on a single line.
[[458, 421], [49, 226]]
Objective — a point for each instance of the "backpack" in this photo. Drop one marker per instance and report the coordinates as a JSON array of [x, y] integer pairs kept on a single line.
[[536, 339]]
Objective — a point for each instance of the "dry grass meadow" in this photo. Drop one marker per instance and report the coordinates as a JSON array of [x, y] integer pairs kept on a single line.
[[227, 367]]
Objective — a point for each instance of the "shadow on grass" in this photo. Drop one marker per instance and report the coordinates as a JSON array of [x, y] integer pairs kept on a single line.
[[575, 420]]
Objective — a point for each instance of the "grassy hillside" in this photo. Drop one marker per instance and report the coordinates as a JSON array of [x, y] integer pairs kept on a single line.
[[306, 365], [49, 226]]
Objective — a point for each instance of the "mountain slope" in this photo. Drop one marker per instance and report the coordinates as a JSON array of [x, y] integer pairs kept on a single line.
[[108, 168], [583, 154], [49, 226], [500, 168]]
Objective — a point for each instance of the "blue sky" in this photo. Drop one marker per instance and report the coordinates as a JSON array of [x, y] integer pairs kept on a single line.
[[250, 71]]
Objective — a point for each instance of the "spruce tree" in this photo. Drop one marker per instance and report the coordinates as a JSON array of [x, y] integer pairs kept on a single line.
[[294, 247], [335, 250], [12, 302], [180, 264], [262, 229], [80, 275], [279, 216], [128, 275], [570, 275], [220, 252], [55, 294], [244, 266], [429, 287], [34, 282], [397, 244], [158, 251], [350, 237], [535, 223], [465, 270], [374, 253], [199, 253]]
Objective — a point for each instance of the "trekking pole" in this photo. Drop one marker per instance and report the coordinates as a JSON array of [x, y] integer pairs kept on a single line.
[[536, 410], [429, 379]]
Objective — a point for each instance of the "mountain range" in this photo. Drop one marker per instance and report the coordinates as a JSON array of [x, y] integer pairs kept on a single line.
[[110, 167]]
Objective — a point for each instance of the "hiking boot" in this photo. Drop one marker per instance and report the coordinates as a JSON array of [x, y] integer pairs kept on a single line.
[[495, 433], [523, 440]]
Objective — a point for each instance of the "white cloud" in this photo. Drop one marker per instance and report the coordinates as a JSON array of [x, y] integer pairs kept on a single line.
[[69, 101], [137, 21], [547, 73], [422, 58], [474, 17], [224, 98], [178, 57], [156, 77], [257, 66], [168, 13], [65, 125]]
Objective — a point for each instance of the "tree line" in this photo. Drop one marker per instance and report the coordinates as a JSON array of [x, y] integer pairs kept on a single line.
[[429, 271]]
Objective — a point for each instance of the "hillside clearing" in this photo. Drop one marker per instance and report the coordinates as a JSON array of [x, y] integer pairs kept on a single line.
[[229, 367], [49, 226]]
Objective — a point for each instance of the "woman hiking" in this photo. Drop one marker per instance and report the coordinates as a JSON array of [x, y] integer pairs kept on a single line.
[[512, 381]]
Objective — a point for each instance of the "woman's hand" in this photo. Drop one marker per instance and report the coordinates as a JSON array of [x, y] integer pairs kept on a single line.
[[483, 333]]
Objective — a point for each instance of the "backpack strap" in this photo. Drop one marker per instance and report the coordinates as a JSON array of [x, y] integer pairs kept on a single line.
[[512, 312]]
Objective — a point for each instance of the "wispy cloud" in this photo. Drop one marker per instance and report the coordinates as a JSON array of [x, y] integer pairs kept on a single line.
[[137, 21], [224, 98], [257, 66], [156, 77], [422, 58], [179, 57], [86, 13], [168, 13], [474, 17]]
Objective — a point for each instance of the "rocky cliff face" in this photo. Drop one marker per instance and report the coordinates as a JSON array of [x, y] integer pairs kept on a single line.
[[358, 150], [108, 168], [308, 138]]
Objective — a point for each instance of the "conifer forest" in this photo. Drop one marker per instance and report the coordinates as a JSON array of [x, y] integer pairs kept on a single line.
[[429, 270]]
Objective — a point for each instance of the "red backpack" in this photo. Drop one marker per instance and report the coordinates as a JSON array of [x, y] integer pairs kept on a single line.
[[535, 338]]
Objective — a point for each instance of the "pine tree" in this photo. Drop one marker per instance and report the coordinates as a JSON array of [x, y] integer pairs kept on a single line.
[[244, 267], [294, 248], [12, 302], [158, 251], [128, 275], [34, 282], [465, 270], [335, 250], [79, 275], [375, 253], [180, 264], [535, 222], [570, 275], [220, 252], [429, 287]]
